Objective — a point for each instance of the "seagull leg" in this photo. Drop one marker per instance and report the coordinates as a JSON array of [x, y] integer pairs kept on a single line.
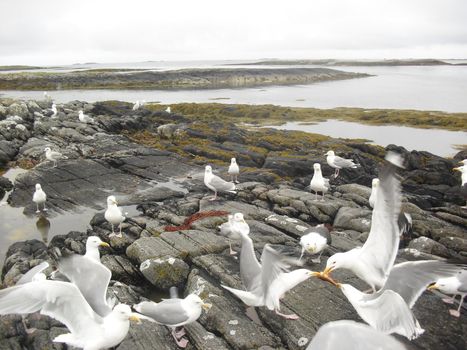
[[287, 317], [316, 196], [37, 207], [44, 209], [236, 179], [457, 313], [449, 300], [322, 196], [179, 333], [215, 196], [181, 342], [318, 259]]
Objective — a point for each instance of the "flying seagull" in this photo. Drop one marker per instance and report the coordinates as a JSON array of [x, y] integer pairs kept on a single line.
[[64, 302], [216, 184], [373, 262], [338, 163]]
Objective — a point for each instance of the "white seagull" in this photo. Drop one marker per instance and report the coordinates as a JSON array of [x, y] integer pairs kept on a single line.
[[318, 183], [463, 171], [53, 156], [373, 262], [168, 110], [54, 110], [83, 118], [174, 313], [233, 228], [114, 215], [315, 241], [266, 283], [64, 302], [388, 310], [338, 163], [455, 285], [39, 197], [136, 106], [216, 184], [234, 170]]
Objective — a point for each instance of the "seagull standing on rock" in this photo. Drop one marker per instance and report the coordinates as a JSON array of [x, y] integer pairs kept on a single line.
[[168, 110], [136, 106], [216, 184], [315, 241], [39, 197], [455, 285], [174, 313], [318, 183], [338, 163], [463, 170], [114, 215], [54, 110], [53, 156], [233, 171], [83, 118]]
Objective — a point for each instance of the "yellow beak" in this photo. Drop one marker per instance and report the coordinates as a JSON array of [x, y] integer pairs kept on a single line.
[[324, 277], [104, 244], [134, 317], [206, 306], [310, 250], [328, 270], [458, 169], [433, 286]]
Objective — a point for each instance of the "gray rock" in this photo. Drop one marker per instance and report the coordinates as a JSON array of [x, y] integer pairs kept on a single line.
[[293, 227], [353, 219], [150, 248], [165, 273], [457, 244], [20, 109], [427, 245], [122, 269]]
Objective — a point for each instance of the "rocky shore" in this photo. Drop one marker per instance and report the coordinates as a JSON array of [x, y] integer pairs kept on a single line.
[[154, 160], [175, 79]]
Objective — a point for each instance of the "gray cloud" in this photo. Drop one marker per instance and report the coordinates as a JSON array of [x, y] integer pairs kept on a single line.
[[59, 32]]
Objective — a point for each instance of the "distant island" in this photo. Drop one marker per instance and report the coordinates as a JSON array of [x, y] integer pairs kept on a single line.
[[176, 79], [333, 62]]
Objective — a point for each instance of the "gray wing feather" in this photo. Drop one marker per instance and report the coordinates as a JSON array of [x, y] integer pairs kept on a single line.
[[344, 163], [462, 277], [221, 185], [168, 312], [28, 276], [410, 279], [351, 335], [92, 279]]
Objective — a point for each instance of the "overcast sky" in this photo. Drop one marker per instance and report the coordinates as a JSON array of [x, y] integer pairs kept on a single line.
[[70, 31]]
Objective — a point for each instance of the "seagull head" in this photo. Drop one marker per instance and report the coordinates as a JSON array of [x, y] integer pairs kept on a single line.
[[111, 200], [95, 242], [313, 243], [238, 217], [335, 262], [38, 187], [47, 149], [330, 153], [233, 161], [375, 183], [123, 313], [317, 167], [447, 285], [208, 169], [195, 301]]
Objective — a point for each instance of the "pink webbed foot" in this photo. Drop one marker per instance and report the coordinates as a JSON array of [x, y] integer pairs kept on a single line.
[[288, 317], [448, 300], [454, 313]]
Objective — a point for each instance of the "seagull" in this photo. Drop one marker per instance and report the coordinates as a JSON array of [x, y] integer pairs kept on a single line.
[[136, 106], [463, 170], [315, 240], [64, 302], [338, 163], [114, 215], [47, 96], [90, 276], [266, 283], [351, 335], [233, 227], [54, 110], [373, 262], [39, 197], [83, 118], [234, 170], [174, 313], [388, 310], [404, 220], [456, 285], [215, 183], [53, 156], [318, 183], [168, 110]]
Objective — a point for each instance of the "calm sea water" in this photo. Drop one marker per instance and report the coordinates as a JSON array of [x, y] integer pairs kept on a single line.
[[438, 142], [442, 88]]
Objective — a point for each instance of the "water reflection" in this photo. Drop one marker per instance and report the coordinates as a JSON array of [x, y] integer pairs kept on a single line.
[[43, 226]]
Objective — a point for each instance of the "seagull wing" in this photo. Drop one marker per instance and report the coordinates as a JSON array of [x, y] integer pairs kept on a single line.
[[462, 276], [344, 163], [28, 276], [92, 279], [351, 335], [380, 249], [250, 268], [221, 185], [273, 264], [410, 279], [169, 312], [389, 313], [59, 300]]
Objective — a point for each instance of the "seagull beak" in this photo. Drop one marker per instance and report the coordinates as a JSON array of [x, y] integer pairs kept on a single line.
[[325, 278], [327, 270], [115, 202], [310, 250], [433, 286], [458, 169], [104, 244], [206, 306], [135, 317]]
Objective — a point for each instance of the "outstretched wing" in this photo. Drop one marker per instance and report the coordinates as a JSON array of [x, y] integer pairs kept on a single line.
[[28, 276], [250, 268], [92, 279], [59, 300], [380, 249], [410, 279]]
